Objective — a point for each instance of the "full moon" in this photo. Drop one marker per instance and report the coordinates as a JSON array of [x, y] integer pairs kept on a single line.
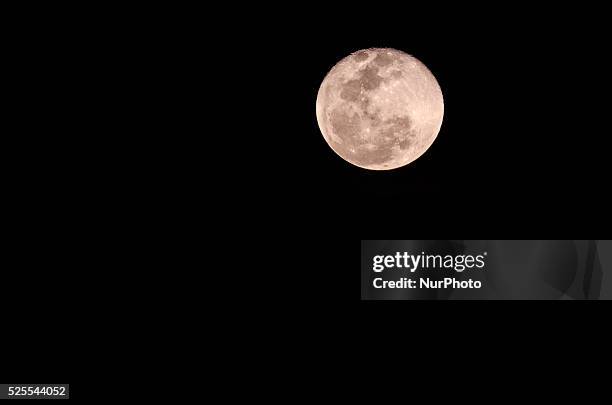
[[380, 108]]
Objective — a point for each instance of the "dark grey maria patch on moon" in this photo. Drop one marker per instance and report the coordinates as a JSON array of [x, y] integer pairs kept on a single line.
[[403, 122], [405, 143], [383, 59], [351, 90], [367, 79], [399, 130], [361, 56], [345, 126], [370, 78]]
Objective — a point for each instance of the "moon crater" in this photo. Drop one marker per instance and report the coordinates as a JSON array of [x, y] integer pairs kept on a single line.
[[380, 108]]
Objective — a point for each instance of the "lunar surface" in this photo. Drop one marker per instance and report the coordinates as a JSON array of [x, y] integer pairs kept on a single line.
[[380, 108]]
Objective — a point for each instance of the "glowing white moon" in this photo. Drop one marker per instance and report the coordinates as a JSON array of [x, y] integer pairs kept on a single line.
[[380, 108]]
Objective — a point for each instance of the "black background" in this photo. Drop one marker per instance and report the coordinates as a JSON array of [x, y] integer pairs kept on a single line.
[[522, 153], [522, 150], [522, 147]]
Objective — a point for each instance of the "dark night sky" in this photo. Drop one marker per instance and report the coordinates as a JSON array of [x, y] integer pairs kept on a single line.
[[122, 110], [521, 149]]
